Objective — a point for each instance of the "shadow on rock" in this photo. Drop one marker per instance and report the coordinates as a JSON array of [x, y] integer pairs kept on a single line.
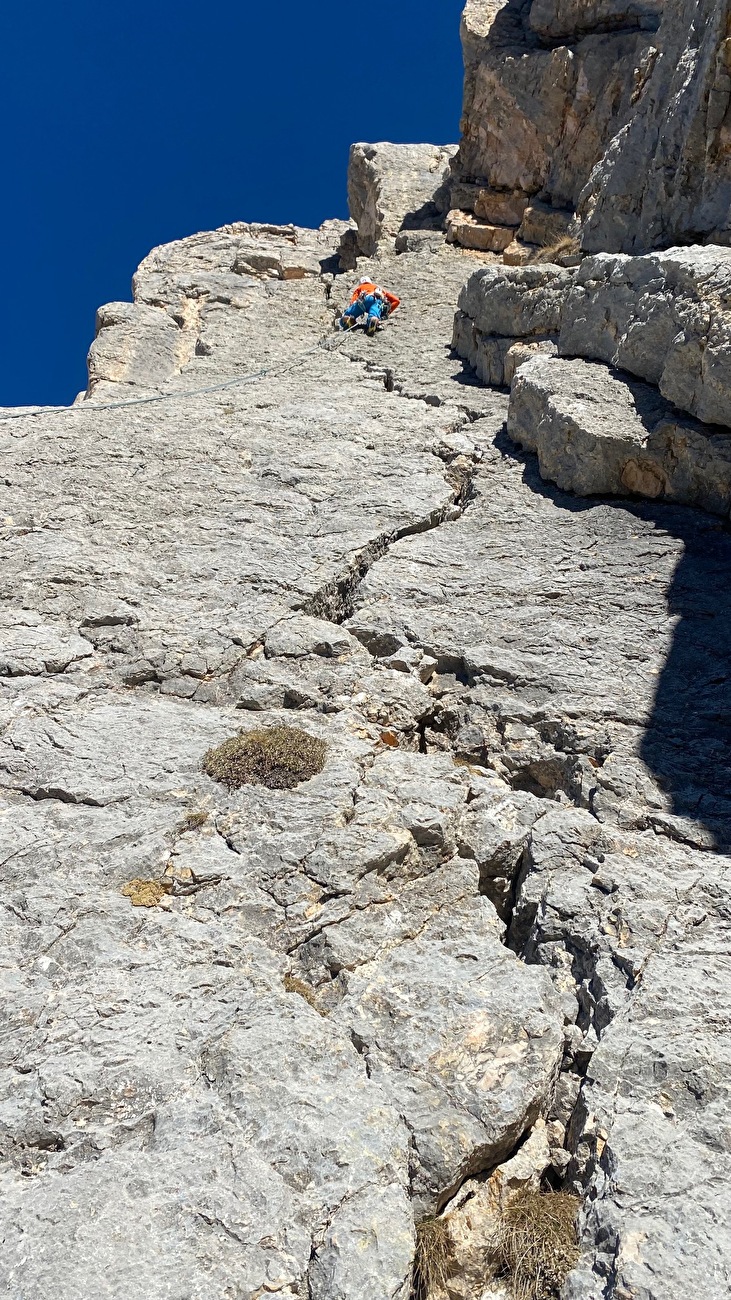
[[687, 739]]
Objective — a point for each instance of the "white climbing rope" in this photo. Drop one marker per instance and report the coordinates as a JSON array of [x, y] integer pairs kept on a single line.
[[328, 343]]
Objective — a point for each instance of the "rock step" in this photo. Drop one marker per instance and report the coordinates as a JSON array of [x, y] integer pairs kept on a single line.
[[598, 431]]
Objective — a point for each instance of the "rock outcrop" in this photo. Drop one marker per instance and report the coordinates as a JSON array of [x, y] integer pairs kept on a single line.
[[664, 318], [614, 113], [395, 187]]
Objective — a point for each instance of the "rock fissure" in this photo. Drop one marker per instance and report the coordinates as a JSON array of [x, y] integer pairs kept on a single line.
[[484, 947]]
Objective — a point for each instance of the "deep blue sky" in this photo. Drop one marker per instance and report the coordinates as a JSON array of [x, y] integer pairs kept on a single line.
[[125, 125]]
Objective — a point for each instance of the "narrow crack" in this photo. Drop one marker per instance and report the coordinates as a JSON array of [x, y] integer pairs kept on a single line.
[[336, 601]]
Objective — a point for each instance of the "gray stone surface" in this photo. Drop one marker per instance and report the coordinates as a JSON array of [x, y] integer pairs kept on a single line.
[[665, 177], [557, 19], [615, 109], [664, 317], [596, 431], [357, 996], [579, 647], [396, 186], [173, 1115], [516, 302], [539, 119]]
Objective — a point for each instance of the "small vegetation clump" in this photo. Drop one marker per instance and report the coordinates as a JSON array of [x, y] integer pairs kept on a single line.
[[568, 246], [147, 893], [432, 1264], [294, 985], [536, 1244], [193, 821], [279, 757]]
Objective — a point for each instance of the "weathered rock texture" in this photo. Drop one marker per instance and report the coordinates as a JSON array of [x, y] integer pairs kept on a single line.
[[252, 1037], [663, 317], [617, 110], [393, 187], [172, 1116]]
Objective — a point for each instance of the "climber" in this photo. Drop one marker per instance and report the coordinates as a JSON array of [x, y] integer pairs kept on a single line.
[[368, 299]]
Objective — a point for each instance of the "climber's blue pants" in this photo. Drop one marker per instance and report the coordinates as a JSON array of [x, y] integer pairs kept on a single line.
[[373, 306]]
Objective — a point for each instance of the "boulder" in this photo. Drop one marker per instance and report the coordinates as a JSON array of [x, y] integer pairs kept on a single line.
[[519, 302], [665, 317], [596, 430], [135, 344], [396, 186], [520, 254]]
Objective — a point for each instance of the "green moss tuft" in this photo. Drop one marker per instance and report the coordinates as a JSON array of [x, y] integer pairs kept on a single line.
[[279, 757]]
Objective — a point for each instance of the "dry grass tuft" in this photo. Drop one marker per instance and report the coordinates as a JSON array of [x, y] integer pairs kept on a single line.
[[193, 821], [567, 246], [432, 1264], [536, 1244], [294, 985], [147, 893], [279, 757]]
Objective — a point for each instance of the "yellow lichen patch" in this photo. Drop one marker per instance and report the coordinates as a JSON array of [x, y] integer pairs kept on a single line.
[[146, 893], [390, 738]]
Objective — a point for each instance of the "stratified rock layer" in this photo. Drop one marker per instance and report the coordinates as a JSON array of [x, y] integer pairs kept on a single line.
[[616, 111]]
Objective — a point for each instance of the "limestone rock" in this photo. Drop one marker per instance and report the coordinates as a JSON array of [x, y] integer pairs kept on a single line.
[[501, 207], [665, 317], [395, 186], [475, 1026], [665, 177], [135, 344], [614, 108], [471, 232], [519, 254], [537, 119], [516, 303], [595, 431], [544, 225], [566, 19], [504, 898], [494, 359]]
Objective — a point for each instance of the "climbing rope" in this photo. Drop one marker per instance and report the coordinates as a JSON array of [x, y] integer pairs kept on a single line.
[[328, 343]]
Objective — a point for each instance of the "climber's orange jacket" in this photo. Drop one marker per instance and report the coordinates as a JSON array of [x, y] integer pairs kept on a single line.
[[367, 287]]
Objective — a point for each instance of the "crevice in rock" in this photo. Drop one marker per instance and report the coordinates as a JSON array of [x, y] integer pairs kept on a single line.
[[336, 600]]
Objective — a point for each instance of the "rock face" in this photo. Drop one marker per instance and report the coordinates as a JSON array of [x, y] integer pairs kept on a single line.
[[596, 432], [666, 177], [356, 998], [616, 110], [256, 1038]]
